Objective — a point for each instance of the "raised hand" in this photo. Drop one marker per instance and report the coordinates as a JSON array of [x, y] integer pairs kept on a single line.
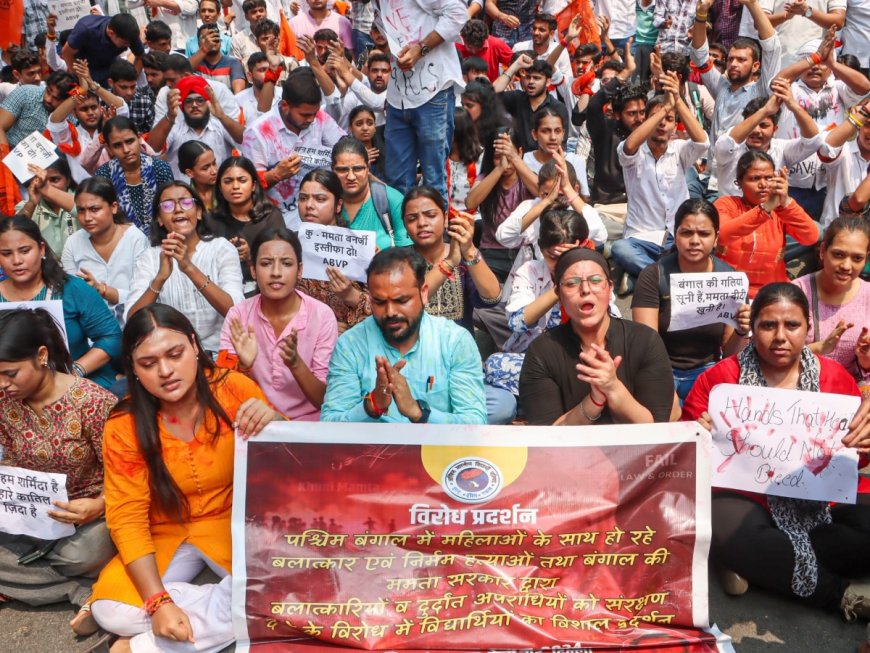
[[244, 343], [598, 369], [830, 343], [461, 229], [862, 349], [287, 349], [574, 29], [342, 287], [173, 104]]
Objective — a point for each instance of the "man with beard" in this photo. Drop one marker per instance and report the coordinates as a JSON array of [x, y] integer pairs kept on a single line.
[[533, 96], [250, 99], [204, 121], [26, 109], [544, 28], [655, 168], [372, 95], [402, 364]]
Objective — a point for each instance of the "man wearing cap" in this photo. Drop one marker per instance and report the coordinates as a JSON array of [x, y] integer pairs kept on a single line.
[[203, 120]]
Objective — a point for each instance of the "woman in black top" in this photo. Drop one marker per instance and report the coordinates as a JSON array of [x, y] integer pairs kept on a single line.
[[595, 366], [691, 351]]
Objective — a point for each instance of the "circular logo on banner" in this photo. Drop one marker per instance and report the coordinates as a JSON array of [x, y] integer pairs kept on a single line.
[[472, 480]]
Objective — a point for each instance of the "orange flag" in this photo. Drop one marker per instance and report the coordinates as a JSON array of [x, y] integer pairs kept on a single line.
[[288, 45], [589, 32], [11, 23]]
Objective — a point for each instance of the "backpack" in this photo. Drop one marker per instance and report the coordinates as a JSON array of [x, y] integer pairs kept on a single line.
[[382, 207]]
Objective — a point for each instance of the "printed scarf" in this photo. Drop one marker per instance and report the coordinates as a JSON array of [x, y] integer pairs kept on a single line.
[[149, 185]]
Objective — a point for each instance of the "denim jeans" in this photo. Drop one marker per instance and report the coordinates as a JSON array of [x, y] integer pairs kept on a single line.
[[685, 379], [501, 406], [633, 254], [361, 42], [423, 134]]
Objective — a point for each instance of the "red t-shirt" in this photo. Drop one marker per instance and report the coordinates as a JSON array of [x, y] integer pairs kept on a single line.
[[494, 52]]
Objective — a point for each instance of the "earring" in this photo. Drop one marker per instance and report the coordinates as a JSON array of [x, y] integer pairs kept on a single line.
[[43, 257], [45, 363]]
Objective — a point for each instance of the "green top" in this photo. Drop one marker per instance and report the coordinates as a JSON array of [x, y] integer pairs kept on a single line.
[[367, 220], [55, 227], [646, 34]]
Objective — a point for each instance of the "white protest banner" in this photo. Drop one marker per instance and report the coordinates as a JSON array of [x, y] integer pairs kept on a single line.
[[68, 12], [53, 306], [26, 497], [700, 298], [36, 149], [783, 442], [345, 249]]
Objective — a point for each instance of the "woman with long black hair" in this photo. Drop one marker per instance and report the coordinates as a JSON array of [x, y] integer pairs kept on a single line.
[[168, 454]]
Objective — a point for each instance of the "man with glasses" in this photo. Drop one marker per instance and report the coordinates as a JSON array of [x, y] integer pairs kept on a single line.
[[203, 120]]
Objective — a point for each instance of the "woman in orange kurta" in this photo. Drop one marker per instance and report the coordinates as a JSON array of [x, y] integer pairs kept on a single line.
[[753, 227], [168, 453]]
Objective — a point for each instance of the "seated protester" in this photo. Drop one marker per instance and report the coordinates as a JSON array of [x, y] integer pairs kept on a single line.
[[826, 90], [849, 142], [169, 450], [180, 18], [158, 37], [121, 82], [695, 95], [100, 40], [534, 95], [52, 421], [478, 42], [557, 184], [756, 132], [242, 211], [320, 202], [74, 126], [839, 299], [250, 98], [362, 126], [655, 170], [464, 160], [759, 539], [34, 274], [212, 64], [532, 304], [197, 161], [105, 250], [321, 16], [367, 204], [281, 338], [268, 35], [355, 89], [209, 14], [402, 364], [203, 119], [50, 203], [244, 43], [142, 106], [474, 68], [753, 225], [176, 68], [545, 39], [272, 142], [456, 274], [691, 351], [623, 377], [549, 133], [487, 112], [135, 175], [197, 274], [496, 193]]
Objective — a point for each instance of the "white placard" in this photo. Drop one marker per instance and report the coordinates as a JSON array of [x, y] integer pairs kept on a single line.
[[68, 12], [347, 250], [26, 497], [700, 298], [36, 149], [783, 442], [53, 306]]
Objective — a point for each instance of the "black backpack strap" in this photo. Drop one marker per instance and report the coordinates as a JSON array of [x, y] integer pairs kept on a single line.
[[382, 207]]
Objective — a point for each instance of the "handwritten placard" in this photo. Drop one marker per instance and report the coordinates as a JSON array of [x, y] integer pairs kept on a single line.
[[347, 250], [36, 149], [783, 442], [68, 12], [54, 307], [701, 298], [26, 497]]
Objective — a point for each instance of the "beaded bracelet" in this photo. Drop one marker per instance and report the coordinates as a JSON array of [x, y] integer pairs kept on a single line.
[[205, 285], [157, 601]]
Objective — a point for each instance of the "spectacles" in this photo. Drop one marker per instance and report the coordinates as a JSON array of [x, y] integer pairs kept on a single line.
[[343, 170], [186, 203], [596, 282], [194, 100]]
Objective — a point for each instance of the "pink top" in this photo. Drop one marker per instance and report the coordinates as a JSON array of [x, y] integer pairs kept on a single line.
[[303, 24], [855, 311], [316, 333]]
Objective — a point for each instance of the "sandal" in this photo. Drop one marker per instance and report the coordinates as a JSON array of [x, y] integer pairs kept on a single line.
[[84, 624], [103, 643]]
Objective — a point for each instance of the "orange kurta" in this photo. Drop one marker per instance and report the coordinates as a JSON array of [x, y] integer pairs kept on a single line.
[[754, 241], [204, 473]]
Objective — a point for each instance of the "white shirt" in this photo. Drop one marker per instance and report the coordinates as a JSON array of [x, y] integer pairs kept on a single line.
[[182, 23], [117, 272], [655, 188], [784, 152], [61, 134], [223, 94], [844, 174], [248, 103], [577, 162], [623, 21], [856, 31], [218, 259], [214, 135], [410, 21], [563, 63], [243, 45]]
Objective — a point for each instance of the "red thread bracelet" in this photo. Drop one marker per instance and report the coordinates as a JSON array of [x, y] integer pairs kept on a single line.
[[157, 601], [595, 403]]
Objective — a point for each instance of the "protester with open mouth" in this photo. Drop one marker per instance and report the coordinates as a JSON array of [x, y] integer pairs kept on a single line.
[[594, 368], [187, 268]]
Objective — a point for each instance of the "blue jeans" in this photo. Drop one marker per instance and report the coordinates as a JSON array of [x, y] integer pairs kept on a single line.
[[685, 379], [794, 250], [633, 254], [361, 42], [501, 406], [423, 134], [811, 200]]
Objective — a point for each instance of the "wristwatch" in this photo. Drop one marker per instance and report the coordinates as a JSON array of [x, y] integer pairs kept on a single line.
[[424, 408], [424, 49], [808, 13]]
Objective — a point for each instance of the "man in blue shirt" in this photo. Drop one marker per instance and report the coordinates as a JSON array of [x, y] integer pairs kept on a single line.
[[100, 40], [401, 364]]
